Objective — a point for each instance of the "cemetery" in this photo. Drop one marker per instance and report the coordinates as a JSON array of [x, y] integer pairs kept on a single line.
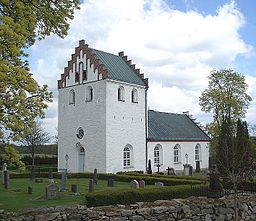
[[52, 189]]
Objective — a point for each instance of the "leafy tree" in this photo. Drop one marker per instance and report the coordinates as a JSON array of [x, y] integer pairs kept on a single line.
[[37, 137], [11, 156], [226, 99], [226, 96], [21, 23]]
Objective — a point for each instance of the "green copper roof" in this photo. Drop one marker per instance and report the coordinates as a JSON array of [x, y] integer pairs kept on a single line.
[[118, 69], [168, 126]]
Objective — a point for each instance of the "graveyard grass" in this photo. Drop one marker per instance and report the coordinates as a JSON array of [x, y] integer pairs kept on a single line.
[[17, 197]]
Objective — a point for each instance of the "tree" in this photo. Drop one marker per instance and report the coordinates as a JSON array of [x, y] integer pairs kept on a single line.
[[37, 137], [235, 156], [21, 23], [11, 156], [226, 96]]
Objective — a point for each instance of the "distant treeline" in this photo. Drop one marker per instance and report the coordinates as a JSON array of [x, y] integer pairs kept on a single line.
[[44, 149]]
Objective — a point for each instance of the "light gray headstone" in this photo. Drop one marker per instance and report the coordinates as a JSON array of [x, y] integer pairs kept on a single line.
[[159, 184], [141, 183], [134, 184], [52, 191]]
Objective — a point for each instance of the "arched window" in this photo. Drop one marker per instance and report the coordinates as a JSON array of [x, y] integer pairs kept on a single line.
[[176, 153], [72, 97], [120, 93], [82, 72], [158, 155], [198, 152], [89, 94], [128, 156], [134, 96]]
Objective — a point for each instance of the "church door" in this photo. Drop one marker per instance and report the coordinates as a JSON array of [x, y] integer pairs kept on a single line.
[[81, 160]]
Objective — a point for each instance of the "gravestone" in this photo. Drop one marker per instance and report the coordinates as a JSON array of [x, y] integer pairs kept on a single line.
[[64, 178], [74, 188], [52, 191], [134, 184], [4, 169], [159, 184], [171, 171], [30, 190], [50, 176], [186, 169], [158, 167], [91, 186], [38, 180], [198, 167], [141, 183], [215, 188], [95, 178], [6, 176], [149, 169], [190, 172], [110, 182]]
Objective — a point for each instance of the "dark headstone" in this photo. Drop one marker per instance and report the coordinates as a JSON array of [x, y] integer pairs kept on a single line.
[[95, 178], [141, 183], [110, 182], [52, 191], [171, 171], [190, 172], [6, 179], [63, 181], [30, 190], [91, 186], [149, 169], [50, 176], [158, 167], [74, 188], [198, 167], [134, 184]]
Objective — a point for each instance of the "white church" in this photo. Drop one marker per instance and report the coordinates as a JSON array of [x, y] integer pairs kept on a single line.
[[104, 121]]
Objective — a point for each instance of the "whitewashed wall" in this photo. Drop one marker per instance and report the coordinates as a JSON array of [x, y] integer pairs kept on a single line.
[[92, 118], [125, 125], [186, 147]]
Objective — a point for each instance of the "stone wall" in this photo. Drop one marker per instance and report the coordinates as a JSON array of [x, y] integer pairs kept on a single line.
[[179, 209]]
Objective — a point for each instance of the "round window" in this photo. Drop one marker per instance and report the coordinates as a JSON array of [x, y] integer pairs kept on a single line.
[[80, 133]]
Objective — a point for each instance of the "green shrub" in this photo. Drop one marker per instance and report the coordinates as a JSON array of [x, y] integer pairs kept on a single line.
[[40, 160], [128, 195]]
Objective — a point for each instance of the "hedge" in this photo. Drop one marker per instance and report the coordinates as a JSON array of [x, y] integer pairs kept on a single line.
[[127, 196], [40, 160], [150, 180], [138, 173]]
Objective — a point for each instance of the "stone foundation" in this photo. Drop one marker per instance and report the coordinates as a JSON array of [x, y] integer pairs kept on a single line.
[[193, 208]]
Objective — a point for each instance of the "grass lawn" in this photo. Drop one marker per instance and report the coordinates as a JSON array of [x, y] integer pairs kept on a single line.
[[17, 197]]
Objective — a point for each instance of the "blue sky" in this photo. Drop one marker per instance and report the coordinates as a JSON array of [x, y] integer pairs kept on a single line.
[[176, 43]]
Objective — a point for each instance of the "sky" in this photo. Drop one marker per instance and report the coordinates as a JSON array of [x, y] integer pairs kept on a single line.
[[176, 43]]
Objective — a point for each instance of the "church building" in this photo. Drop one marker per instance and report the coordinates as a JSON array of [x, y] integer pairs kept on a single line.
[[104, 122]]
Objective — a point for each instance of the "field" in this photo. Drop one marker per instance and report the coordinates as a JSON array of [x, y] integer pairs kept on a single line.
[[17, 197]]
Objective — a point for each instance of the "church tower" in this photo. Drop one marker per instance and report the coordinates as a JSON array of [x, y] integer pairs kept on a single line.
[[102, 113]]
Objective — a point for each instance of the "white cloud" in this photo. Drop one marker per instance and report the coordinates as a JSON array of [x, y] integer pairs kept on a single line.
[[175, 49]]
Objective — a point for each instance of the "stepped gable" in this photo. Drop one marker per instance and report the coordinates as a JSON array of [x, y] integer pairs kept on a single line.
[[132, 66], [109, 66]]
